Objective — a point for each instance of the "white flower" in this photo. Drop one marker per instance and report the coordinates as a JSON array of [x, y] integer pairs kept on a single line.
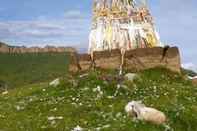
[[77, 128], [98, 88], [51, 118], [73, 98], [18, 108], [118, 86], [118, 114], [30, 100]]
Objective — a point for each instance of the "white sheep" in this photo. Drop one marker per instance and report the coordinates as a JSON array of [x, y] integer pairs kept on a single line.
[[141, 112]]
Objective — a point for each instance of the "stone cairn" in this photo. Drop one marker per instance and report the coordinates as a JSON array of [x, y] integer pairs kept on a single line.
[[123, 37]]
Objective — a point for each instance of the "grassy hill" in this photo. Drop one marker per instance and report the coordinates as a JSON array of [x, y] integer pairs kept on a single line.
[[78, 101], [21, 69]]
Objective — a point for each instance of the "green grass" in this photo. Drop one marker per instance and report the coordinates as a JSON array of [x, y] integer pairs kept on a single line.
[[22, 69], [79, 103]]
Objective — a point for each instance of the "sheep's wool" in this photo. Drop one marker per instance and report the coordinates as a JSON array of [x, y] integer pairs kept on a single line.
[[145, 113], [153, 115]]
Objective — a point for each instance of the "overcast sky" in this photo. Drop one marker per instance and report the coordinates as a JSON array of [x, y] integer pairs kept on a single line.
[[67, 23]]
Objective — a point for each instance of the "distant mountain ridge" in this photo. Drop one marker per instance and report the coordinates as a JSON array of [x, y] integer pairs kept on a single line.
[[5, 48]]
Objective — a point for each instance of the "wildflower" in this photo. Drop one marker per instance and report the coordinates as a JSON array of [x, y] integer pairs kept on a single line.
[[51, 118], [77, 128]]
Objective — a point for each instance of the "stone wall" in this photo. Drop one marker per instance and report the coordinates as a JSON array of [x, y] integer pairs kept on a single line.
[[146, 58], [4, 48], [194, 81], [134, 60], [107, 59]]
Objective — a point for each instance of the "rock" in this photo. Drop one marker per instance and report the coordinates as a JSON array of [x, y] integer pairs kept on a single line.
[[130, 76], [83, 75], [55, 82], [194, 81], [5, 93], [51, 118]]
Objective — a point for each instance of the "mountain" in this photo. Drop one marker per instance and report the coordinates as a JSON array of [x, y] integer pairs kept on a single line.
[[4, 48]]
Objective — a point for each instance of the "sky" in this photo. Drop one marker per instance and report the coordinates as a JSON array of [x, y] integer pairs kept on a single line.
[[68, 22]]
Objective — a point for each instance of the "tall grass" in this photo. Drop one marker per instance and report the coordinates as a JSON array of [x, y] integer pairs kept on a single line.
[[21, 69]]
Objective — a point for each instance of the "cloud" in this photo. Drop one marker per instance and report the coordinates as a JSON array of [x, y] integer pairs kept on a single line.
[[72, 30], [74, 14], [177, 24], [176, 21], [15, 29], [190, 66]]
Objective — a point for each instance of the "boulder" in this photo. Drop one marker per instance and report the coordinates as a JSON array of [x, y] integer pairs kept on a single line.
[[5, 92], [130, 76], [55, 82]]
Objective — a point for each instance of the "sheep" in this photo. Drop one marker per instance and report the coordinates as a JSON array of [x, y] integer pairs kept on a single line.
[[141, 112]]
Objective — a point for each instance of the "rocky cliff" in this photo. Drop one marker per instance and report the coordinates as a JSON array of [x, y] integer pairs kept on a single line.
[[134, 60], [4, 48]]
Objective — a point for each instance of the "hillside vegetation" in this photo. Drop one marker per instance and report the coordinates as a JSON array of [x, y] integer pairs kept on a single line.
[[22, 69], [94, 102]]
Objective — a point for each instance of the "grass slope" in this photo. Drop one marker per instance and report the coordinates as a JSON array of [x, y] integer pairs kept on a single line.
[[21, 69], [78, 101]]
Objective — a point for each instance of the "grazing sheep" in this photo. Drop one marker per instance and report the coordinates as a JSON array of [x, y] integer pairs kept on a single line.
[[141, 112]]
